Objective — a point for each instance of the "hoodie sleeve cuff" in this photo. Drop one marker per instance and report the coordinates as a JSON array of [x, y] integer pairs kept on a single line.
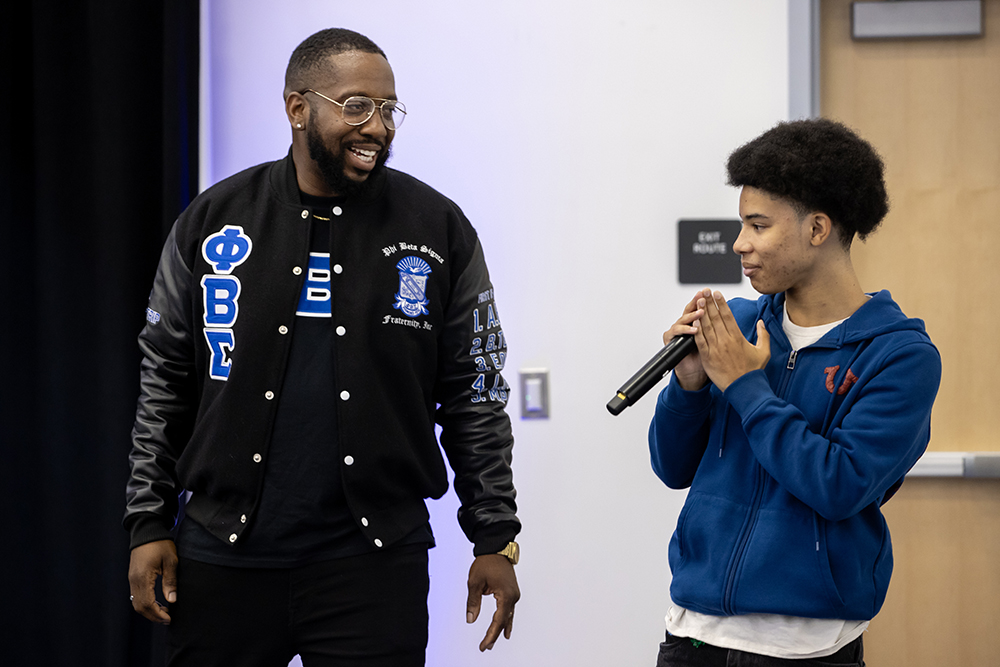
[[683, 402], [749, 392]]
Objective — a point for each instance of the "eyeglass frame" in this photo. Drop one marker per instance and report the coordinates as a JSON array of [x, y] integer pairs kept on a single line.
[[399, 105]]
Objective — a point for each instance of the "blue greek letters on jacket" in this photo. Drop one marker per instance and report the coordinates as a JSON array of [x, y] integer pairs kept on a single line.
[[227, 249], [224, 251], [220, 342], [221, 300]]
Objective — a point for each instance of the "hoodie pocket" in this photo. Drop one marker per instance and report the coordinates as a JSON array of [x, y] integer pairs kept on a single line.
[[786, 569], [701, 551]]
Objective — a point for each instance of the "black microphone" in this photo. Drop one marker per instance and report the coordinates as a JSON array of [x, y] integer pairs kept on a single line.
[[652, 372]]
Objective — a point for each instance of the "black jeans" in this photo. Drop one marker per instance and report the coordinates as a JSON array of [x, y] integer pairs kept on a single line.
[[680, 652], [362, 611]]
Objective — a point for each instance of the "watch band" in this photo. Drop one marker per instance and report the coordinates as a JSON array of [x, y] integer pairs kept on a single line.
[[512, 552]]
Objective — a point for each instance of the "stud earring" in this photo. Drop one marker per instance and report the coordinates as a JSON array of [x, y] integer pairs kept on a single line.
[[299, 125]]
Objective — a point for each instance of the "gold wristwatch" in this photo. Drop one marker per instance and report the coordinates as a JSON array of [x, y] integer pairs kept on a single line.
[[512, 552]]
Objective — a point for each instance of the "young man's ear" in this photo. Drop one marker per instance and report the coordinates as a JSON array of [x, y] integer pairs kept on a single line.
[[821, 229]]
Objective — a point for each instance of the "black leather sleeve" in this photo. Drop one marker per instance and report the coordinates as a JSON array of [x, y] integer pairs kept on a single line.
[[167, 401], [476, 432]]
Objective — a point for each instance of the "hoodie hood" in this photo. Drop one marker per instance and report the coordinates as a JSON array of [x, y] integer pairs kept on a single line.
[[881, 315]]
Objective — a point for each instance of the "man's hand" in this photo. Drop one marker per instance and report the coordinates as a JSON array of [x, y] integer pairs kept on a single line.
[[725, 354], [146, 563], [493, 574]]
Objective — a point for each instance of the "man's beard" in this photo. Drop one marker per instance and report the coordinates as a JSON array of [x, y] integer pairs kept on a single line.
[[332, 167]]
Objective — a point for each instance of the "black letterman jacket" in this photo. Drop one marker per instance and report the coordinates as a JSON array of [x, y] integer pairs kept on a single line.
[[419, 341]]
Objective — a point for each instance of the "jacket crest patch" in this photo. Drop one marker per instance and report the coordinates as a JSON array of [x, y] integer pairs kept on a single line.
[[413, 276]]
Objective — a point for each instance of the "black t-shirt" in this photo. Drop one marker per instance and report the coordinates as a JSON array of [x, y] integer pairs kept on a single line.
[[302, 515]]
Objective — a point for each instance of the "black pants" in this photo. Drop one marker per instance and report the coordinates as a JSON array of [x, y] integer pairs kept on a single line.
[[680, 652], [363, 611]]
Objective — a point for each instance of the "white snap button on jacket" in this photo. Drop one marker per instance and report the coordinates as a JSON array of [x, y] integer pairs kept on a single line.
[[282, 329], [297, 270], [232, 538], [269, 395], [337, 268], [378, 542], [256, 458], [341, 331], [337, 210], [364, 521], [305, 213], [349, 460], [344, 395], [243, 519]]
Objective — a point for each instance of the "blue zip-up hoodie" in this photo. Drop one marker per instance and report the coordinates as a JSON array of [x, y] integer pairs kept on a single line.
[[789, 466]]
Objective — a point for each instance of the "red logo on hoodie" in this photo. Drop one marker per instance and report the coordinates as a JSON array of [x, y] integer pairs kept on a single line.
[[849, 380]]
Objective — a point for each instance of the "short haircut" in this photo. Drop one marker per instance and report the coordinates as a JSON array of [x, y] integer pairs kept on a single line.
[[817, 165], [311, 55]]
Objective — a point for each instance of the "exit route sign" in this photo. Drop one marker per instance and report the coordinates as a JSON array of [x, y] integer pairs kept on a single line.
[[705, 252]]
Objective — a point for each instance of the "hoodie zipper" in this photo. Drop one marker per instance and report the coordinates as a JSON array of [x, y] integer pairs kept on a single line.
[[758, 494], [744, 540], [787, 376]]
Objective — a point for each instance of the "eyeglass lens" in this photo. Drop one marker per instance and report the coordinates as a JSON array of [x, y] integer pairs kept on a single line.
[[357, 110]]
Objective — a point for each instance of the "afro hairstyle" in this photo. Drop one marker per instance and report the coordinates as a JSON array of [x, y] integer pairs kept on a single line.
[[817, 165]]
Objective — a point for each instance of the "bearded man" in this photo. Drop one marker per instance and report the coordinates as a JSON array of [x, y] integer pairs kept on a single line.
[[311, 321]]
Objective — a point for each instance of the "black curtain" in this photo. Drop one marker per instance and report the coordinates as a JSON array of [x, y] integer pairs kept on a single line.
[[99, 155]]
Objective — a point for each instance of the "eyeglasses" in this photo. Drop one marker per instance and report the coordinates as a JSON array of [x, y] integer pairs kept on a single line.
[[358, 109]]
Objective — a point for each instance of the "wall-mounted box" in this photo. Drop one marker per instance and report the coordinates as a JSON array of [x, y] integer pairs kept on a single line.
[[916, 19]]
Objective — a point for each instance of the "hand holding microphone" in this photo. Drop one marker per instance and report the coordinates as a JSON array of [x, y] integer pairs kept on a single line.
[[725, 354], [678, 343], [654, 370]]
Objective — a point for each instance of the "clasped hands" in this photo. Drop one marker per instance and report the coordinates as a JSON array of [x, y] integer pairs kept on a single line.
[[724, 355]]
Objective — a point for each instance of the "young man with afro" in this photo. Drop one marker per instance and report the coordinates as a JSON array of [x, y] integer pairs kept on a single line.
[[796, 419]]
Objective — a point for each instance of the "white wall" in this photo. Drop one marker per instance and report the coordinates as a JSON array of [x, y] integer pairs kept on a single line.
[[574, 135]]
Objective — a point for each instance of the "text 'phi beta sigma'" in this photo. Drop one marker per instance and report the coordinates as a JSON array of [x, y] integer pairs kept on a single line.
[[221, 292]]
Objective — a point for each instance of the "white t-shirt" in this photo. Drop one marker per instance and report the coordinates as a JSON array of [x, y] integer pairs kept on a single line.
[[771, 634]]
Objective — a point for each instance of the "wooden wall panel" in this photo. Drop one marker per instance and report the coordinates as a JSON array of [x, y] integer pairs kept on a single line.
[[932, 108], [943, 606]]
